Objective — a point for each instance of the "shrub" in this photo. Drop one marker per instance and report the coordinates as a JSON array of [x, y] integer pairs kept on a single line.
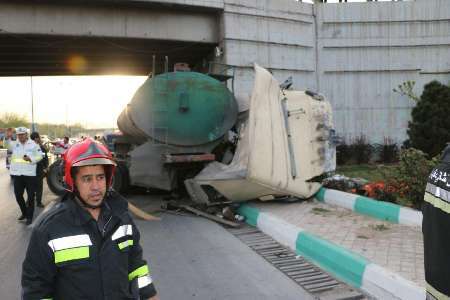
[[343, 154], [387, 152], [409, 177], [429, 128], [361, 150]]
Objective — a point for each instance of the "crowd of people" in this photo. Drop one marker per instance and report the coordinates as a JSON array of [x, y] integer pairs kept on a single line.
[[27, 159]]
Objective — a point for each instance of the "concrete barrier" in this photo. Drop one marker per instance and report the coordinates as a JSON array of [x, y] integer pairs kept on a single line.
[[382, 210], [346, 265]]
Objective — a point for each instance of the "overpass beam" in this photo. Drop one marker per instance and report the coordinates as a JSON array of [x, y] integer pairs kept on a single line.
[[116, 22]]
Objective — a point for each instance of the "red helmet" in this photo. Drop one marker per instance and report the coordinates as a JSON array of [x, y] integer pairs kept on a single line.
[[88, 153]]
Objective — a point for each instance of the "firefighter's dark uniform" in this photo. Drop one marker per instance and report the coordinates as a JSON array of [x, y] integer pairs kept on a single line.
[[436, 230], [72, 256]]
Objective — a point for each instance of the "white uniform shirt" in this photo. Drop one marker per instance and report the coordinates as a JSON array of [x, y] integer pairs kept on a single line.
[[19, 166]]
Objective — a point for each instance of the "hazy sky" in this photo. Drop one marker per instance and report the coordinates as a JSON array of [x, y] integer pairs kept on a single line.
[[93, 101]]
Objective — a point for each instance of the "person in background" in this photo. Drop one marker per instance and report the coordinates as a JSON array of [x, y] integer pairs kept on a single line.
[[64, 144], [41, 169], [24, 158], [9, 131], [61, 147]]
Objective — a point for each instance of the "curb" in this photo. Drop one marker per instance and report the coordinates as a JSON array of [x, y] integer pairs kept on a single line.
[[385, 211], [349, 267]]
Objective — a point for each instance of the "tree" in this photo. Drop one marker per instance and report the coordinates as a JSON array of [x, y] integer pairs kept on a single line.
[[406, 89], [52, 130], [429, 129], [13, 120]]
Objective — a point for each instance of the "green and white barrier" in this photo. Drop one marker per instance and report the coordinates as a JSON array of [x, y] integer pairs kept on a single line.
[[344, 264], [378, 209]]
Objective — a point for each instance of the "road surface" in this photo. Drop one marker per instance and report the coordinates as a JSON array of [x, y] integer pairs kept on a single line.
[[190, 257]]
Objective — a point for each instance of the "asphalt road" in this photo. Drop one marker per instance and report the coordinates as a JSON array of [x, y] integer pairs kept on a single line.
[[189, 257]]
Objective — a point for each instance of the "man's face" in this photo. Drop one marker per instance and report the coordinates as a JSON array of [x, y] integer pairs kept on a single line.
[[91, 184], [22, 137]]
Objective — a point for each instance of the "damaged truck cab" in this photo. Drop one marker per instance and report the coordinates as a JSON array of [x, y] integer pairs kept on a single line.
[[284, 145]]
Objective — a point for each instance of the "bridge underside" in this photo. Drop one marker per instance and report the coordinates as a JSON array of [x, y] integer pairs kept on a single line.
[[46, 55]]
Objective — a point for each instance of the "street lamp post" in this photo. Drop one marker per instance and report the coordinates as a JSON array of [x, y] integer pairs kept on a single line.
[[32, 106]]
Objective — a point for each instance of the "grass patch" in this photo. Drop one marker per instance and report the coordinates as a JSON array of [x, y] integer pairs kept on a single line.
[[370, 172]]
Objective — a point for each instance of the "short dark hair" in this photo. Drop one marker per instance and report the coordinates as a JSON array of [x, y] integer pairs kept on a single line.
[[34, 135], [73, 172]]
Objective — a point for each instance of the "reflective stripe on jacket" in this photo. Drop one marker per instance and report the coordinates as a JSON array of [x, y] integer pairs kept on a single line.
[[69, 257], [19, 166], [436, 228]]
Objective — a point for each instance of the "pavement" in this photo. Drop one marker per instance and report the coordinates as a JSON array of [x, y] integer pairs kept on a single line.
[[396, 248], [194, 258]]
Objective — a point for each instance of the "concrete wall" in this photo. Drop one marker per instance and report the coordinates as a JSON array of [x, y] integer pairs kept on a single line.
[[215, 4], [367, 49], [364, 50], [278, 35]]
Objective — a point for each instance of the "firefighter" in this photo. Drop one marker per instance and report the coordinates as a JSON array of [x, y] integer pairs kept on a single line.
[[25, 154], [436, 228], [87, 246]]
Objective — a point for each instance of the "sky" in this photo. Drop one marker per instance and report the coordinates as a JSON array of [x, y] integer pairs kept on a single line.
[[92, 101]]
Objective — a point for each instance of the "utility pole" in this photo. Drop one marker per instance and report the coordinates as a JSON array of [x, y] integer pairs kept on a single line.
[[32, 105]]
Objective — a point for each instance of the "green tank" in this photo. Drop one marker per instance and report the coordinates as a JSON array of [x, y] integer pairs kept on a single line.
[[180, 108]]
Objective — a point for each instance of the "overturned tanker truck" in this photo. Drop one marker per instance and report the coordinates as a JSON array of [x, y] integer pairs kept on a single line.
[[185, 130]]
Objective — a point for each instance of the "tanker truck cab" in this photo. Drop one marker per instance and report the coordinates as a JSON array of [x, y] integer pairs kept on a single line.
[[285, 145]]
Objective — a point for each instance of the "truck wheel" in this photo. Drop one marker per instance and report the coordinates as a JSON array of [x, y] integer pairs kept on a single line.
[[120, 179], [55, 178]]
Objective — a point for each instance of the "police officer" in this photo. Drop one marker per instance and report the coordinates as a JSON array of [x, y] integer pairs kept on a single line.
[[436, 229], [41, 168], [87, 246], [25, 154]]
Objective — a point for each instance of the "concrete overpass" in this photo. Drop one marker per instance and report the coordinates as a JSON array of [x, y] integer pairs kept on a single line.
[[104, 37]]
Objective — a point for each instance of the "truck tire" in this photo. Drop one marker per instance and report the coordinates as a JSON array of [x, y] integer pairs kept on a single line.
[[121, 180], [55, 178]]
